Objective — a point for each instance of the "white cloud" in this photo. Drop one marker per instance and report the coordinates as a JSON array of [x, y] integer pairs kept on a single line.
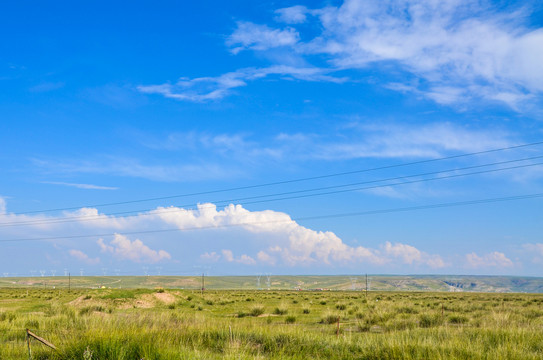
[[210, 256], [493, 259], [129, 167], [2, 206], [81, 186], [292, 243], [293, 15], [243, 259], [135, 250], [265, 258], [399, 141], [408, 254], [457, 51], [81, 256], [260, 37], [213, 88]]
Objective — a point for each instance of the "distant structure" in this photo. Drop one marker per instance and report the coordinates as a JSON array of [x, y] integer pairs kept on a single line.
[[104, 271], [42, 273], [53, 272], [258, 281], [65, 272], [80, 272], [268, 281]]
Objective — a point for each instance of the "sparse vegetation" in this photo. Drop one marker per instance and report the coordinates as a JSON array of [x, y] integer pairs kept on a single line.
[[150, 324]]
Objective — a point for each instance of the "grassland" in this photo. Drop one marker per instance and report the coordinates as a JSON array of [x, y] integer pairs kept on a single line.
[[269, 324], [376, 282]]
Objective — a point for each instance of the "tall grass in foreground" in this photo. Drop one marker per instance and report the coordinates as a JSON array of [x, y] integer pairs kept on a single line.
[[183, 325]]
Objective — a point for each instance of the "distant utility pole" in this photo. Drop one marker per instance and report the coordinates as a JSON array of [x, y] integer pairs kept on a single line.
[[258, 281], [203, 284]]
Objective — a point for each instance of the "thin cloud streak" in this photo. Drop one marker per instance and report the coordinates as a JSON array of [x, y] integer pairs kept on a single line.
[[81, 186]]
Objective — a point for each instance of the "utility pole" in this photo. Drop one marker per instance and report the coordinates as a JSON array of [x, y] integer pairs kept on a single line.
[[203, 284], [69, 282]]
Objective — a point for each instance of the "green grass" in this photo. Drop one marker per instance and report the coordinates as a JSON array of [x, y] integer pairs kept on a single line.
[[240, 324]]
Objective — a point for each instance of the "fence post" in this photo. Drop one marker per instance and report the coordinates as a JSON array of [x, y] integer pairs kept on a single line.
[[28, 343]]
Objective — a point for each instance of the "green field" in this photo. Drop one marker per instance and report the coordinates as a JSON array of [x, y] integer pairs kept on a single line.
[[376, 282], [174, 323]]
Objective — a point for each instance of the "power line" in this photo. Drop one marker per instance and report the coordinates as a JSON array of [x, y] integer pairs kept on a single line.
[[286, 181], [318, 217], [188, 207]]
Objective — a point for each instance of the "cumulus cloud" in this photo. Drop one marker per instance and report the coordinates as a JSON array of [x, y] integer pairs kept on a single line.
[[408, 254], [265, 237], [493, 259], [136, 250], [291, 243], [210, 256], [243, 259], [81, 256]]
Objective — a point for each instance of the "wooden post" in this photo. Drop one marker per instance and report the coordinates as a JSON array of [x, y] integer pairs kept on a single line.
[[40, 339], [28, 343]]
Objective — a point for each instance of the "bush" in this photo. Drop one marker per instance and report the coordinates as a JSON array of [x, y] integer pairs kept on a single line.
[[280, 311], [306, 311], [458, 319], [290, 319], [427, 321], [257, 311], [330, 319]]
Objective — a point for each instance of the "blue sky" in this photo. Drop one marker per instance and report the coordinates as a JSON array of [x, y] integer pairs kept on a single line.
[[106, 103]]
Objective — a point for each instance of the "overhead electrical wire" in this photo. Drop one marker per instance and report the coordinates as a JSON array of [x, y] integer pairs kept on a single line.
[[318, 217], [285, 181], [187, 207]]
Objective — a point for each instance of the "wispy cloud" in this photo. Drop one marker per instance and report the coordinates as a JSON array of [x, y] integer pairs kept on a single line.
[[47, 86], [81, 186], [451, 52], [260, 37], [212, 88], [130, 167]]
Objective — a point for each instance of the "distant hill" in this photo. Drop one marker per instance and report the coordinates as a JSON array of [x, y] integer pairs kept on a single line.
[[463, 283]]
